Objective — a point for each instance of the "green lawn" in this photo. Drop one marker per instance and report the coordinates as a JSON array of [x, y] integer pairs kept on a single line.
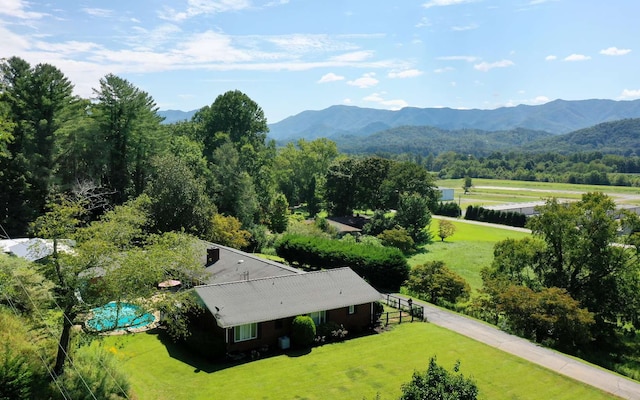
[[356, 369], [467, 251], [487, 192]]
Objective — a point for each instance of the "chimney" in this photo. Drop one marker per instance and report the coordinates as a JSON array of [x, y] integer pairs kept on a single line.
[[213, 255]]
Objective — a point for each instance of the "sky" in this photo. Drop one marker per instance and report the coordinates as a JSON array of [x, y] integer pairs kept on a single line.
[[295, 55]]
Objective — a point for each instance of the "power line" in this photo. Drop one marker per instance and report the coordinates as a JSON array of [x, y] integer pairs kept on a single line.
[[66, 355], [44, 363]]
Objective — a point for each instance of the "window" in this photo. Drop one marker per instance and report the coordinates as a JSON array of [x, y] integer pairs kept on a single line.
[[245, 332], [352, 309], [319, 317]]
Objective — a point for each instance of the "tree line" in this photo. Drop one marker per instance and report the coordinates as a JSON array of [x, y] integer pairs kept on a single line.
[[216, 171], [593, 168]]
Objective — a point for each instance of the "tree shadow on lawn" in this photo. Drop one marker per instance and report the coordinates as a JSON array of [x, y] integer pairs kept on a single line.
[[181, 352]]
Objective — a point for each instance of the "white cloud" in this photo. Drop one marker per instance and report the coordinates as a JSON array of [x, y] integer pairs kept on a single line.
[[577, 57], [408, 73], [443, 70], [304, 43], [394, 104], [17, 9], [614, 51], [98, 12], [440, 3], [355, 56], [330, 77], [540, 100], [485, 66], [464, 28], [458, 58], [423, 22], [630, 94], [365, 81], [550, 57], [347, 101], [199, 7]]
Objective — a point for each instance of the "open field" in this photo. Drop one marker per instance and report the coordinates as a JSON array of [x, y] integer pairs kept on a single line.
[[486, 192], [355, 369], [467, 251]]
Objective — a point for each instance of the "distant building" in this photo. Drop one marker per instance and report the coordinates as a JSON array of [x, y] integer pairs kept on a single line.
[[446, 194]]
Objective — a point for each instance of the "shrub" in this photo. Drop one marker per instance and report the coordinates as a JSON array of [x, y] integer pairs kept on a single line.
[[397, 237], [382, 266], [434, 282], [331, 332], [448, 209], [496, 217], [16, 376], [303, 331], [438, 383], [97, 368]]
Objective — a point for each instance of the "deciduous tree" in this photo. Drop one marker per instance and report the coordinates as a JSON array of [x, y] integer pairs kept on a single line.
[[445, 229], [438, 383], [434, 282]]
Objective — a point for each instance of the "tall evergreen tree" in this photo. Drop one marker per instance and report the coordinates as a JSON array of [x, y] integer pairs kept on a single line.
[[130, 129], [34, 99]]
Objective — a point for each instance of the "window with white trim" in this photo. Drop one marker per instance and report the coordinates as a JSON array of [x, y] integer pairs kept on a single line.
[[318, 317], [352, 309], [245, 332]]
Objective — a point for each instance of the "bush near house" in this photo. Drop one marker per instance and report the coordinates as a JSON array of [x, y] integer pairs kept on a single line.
[[303, 331], [383, 267]]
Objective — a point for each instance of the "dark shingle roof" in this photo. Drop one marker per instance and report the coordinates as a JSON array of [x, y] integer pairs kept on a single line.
[[235, 265], [266, 299]]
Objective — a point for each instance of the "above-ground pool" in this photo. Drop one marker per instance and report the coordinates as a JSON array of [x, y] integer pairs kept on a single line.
[[109, 317]]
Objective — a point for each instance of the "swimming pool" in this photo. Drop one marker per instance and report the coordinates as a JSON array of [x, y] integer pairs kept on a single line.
[[108, 317]]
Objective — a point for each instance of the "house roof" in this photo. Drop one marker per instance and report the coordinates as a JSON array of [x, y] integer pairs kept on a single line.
[[33, 249], [348, 224], [266, 299], [235, 265]]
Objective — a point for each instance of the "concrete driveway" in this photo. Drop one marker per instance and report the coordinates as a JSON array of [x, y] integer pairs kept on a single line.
[[558, 362]]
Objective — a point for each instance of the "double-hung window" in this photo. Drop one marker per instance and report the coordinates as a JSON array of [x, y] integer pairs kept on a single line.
[[245, 332], [319, 317]]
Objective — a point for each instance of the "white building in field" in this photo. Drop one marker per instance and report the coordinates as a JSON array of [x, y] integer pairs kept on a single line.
[[446, 194]]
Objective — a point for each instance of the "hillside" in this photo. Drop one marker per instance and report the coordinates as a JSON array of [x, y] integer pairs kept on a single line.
[[425, 140], [556, 117], [617, 137]]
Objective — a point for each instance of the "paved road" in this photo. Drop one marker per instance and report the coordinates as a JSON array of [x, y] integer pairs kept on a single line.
[[562, 364]]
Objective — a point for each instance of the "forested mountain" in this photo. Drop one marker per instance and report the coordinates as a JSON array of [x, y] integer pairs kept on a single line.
[[425, 140], [556, 117], [617, 137], [171, 116]]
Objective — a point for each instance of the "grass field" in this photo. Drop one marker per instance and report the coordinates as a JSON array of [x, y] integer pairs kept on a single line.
[[467, 251], [355, 369], [488, 192]]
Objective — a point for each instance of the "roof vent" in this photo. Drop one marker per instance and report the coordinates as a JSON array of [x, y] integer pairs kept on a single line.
[[240, 261]]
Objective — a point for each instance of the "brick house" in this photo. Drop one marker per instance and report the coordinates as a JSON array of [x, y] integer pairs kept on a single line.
[[250, 313]]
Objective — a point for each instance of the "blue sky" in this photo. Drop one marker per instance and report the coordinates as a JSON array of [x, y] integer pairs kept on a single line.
[[296, 55]]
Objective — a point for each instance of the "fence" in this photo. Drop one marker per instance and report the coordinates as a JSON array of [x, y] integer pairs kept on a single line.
[[407, 311]]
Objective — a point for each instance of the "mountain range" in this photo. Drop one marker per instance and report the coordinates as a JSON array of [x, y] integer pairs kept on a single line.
[[565, 126], [556, 117]]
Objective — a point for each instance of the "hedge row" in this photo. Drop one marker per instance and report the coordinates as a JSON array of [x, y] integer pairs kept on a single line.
[[510, 218], [448, 209], [383, 267]]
